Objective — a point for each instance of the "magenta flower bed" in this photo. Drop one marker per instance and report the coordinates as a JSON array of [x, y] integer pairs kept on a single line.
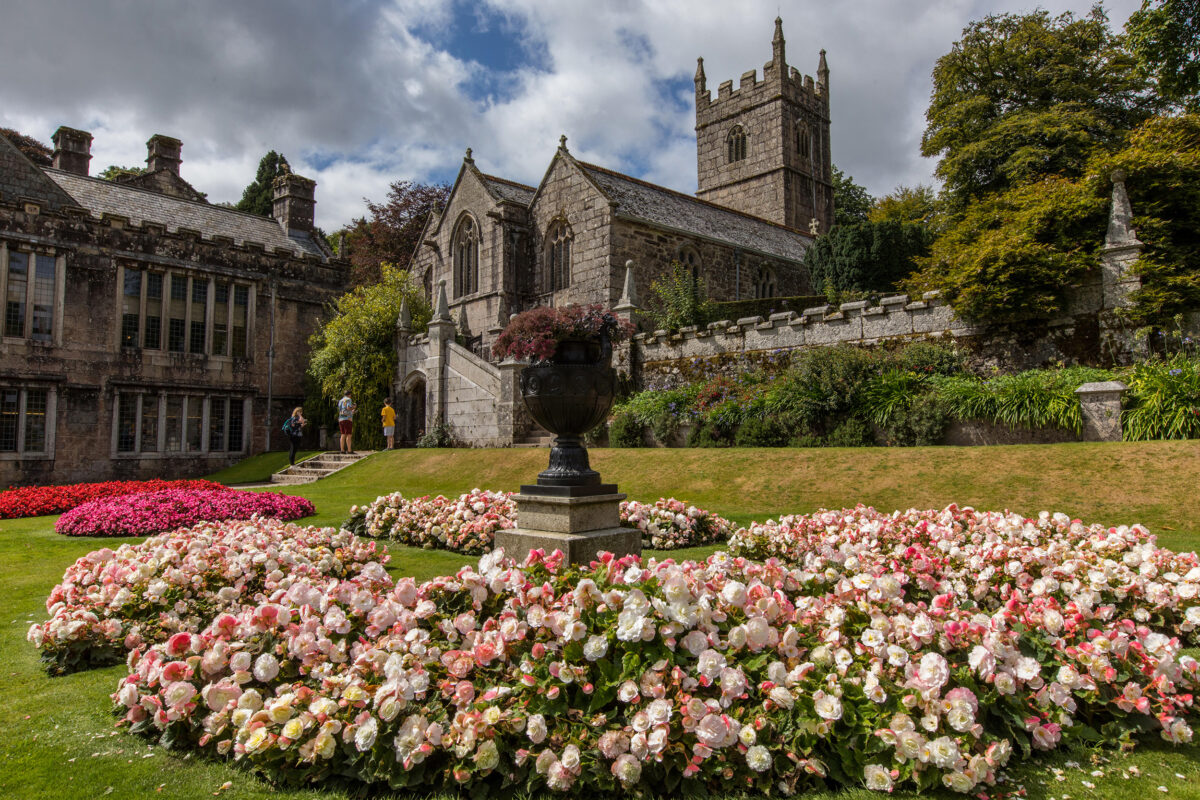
[[155, 512]]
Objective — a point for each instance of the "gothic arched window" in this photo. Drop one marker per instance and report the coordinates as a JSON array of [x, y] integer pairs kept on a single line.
[[465, 246], [764, 284], [737, 144], [803, 140], [558, 256], [690, 258]]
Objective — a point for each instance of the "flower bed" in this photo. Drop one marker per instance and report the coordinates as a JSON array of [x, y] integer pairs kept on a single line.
[[37, 501], [155, 512], [111, 601], [469, 524]]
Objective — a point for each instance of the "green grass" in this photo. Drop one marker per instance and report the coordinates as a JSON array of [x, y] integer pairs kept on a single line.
[[259, 468], [58, 738]]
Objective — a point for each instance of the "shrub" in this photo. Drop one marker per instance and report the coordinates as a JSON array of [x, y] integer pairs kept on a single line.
[[850, 432], [891, 393], [155, 512], [709, 434], [678, 299], [919, 423], [439, 435], [625, 431], [929, 358], [1163, 400], [759, 431], [661, 411]]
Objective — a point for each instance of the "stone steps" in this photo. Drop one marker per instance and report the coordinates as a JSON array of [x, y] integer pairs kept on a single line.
[[317, 467]]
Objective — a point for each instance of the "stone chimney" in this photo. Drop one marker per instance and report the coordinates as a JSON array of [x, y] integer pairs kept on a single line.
[[72, 150], [162, 153], [294, 203]]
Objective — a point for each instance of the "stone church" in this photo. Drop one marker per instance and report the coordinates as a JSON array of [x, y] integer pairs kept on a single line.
[[764, 189]]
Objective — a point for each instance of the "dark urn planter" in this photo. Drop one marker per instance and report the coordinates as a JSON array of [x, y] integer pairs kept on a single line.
[[568, 396]]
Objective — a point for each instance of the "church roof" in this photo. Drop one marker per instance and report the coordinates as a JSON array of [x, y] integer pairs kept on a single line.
[[140, 205], [509, 190], [662, 207]]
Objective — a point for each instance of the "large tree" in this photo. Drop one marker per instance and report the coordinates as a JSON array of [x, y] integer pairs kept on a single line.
[[1165, 37], [917, 205], [355, 349], [259, 196], [865, 256], [393, 230], [1020, 97], [851, 202]]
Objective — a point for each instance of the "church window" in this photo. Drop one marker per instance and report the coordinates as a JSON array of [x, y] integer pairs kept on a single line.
[[26, 420], [466, 257], [29, 285], [558, 256], [690, 258], [803, 141], [737, 144], [764, 284]]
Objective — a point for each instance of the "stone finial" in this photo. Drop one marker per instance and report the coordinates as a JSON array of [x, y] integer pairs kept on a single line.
[[467, 158], [629, 291], [341, 240], [701, 80], [1120, 219], [463, 326], [1100, 404], [562, 143], [777, 52], [404, 320], [442, 312]]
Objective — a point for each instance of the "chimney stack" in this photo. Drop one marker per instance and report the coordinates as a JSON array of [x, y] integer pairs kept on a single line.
[[162, 152], [72, 150], [294, 205]]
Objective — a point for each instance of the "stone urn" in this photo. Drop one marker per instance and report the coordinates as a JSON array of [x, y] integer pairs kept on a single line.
[[569, 395]]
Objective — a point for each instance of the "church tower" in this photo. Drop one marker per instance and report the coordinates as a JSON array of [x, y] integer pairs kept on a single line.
[[764, 148]]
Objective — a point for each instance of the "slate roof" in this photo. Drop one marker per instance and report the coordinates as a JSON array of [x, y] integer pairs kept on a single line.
[[20, 177], [140, 205], [662, 207], [509, 190]]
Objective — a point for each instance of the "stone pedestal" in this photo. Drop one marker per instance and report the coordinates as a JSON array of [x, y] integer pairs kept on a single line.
[[581, 521], [1101, 407]]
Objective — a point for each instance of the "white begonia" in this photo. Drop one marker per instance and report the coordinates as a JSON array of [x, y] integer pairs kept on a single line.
[[758, 758]]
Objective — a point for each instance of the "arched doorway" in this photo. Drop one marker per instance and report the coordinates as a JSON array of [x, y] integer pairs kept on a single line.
[[411, 411]]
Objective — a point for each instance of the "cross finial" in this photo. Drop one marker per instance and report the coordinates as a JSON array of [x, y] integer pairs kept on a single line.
[[562, 142], [468, 158]]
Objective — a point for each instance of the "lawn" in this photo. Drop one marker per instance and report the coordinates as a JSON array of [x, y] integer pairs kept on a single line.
[[59, 740]]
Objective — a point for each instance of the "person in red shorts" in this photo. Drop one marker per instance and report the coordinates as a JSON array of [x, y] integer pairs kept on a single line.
[[346, 409]]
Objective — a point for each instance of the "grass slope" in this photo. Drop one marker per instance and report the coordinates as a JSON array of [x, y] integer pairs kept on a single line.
[[59, 740]]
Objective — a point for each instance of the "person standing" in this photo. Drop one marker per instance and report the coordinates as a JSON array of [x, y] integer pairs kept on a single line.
[[388, 414], [293, 428], [346, 409]]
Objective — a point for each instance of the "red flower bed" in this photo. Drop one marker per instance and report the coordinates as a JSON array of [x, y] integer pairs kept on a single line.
[[38, 501]]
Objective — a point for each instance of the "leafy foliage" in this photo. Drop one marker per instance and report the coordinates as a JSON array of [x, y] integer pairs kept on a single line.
[[438, 435], [678, 299], [355, 349], [917, 205], [37, 152], [865, 256], [535, 334], [115, 173], [851, 202], [259, 197], [1023, 96], [392, 231], [1165, 37], [625, 430], [1163, 400], [1014, 253]]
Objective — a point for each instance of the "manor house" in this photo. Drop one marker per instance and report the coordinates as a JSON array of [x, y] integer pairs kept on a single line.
[[146, 332], [765, 172]]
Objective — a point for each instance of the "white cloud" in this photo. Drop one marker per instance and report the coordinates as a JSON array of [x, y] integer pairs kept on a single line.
[[360, 94]]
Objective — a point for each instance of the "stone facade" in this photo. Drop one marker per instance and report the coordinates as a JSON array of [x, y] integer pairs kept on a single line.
[[146, 332], [764, 148]]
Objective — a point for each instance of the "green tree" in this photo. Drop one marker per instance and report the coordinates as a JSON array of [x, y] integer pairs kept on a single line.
[[851, 202], [1014, 253], [1162, 164], [114, 172], [355, 348], [393, 230], [917, 205], [1165, 37], [1020, 97], [865, 257], [259, 196]]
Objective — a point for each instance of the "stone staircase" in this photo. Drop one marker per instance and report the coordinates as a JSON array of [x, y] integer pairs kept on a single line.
[[317, 467], [535, 437]]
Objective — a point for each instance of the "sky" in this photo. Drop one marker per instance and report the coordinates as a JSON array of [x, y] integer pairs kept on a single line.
[[360, 93]]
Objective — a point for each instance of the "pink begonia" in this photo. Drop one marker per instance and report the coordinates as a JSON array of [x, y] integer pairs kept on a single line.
[[485, 670], [154, 512]]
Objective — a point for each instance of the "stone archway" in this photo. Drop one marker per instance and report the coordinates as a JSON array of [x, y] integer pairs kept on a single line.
[[410, 411]]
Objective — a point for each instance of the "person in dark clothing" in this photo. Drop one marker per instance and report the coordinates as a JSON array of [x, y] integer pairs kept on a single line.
[[293, 428]]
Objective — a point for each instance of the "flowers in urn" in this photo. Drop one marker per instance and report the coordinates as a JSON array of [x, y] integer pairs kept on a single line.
[[535, 334]]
